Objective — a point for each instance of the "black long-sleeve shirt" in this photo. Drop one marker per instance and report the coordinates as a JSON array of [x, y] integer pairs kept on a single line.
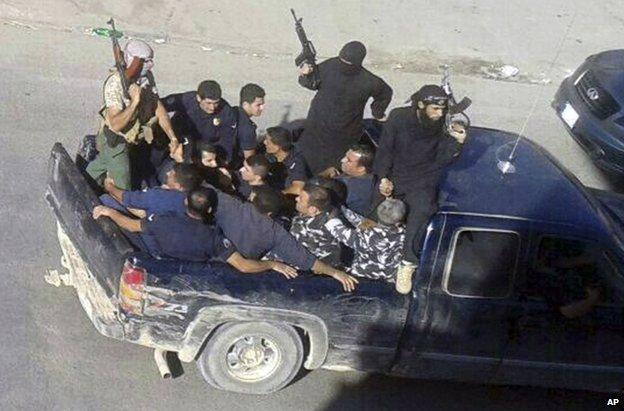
[[334, 120], [411, 155]]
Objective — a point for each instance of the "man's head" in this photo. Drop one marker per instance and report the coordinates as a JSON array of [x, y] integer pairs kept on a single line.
[[313, 200], [431, 101], [139, 57], [353, 53], [183, 177], [209, 96], [278, 139], [252, 99], [255, 169], [337, 189], [391, 212], [267, 200], [207, 154], [201, 202], [358, 160]]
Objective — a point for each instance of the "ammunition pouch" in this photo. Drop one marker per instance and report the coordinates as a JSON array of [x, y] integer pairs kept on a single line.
[[113, 139]]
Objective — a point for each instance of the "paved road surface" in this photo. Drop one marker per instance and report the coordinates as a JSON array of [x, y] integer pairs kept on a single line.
[[50, 89]]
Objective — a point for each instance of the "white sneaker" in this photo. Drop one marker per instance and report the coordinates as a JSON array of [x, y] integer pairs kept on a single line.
[[405, 270]]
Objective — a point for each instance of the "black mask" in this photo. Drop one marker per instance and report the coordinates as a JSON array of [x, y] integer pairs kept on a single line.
[[348, 69]]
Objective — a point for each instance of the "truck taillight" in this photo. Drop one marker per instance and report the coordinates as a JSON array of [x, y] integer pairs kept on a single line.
[[132, 288]]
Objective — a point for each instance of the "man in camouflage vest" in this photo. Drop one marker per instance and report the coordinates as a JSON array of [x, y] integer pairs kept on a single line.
[[128, 120]]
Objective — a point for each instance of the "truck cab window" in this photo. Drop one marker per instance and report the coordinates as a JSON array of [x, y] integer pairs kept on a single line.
[[482, 263], [565, 270]]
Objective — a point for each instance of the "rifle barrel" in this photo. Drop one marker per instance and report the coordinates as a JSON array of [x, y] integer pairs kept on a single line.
[[297, 21]]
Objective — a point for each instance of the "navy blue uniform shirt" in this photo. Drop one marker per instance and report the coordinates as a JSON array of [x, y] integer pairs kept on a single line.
[[156, 200], [190, 120], [246, 133], [359, 192], [185, 238], [293, 168], [255, 235]]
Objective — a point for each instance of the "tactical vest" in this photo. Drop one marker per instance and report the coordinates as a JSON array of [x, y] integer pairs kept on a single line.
[[144, 116]]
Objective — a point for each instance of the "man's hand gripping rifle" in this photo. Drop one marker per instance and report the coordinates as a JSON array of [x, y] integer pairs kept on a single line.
[[456, 111]]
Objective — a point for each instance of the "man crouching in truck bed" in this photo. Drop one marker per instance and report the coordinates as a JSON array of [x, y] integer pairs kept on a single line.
[[256, 235], [188, 237]]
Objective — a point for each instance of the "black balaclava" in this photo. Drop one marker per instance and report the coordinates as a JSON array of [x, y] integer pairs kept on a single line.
[[353, 52]]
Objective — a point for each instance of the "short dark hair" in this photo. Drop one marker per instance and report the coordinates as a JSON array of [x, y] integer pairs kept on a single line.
[[250, 92], [337, 189], [209, 89], [200, 201], [268, 200], [320, 197], [281, 137], [188, 176], [259, 164], [366, 155], [205, 146]]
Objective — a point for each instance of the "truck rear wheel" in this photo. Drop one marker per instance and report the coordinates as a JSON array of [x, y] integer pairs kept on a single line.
[[251, 358]]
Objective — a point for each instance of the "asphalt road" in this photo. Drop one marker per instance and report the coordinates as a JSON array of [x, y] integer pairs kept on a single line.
[[50, 88]]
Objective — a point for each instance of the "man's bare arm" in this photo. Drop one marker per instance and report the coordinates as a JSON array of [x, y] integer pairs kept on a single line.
[[348, 282], [116, 118], [245, 265], [165, 123], [125, 222], [113, 190]]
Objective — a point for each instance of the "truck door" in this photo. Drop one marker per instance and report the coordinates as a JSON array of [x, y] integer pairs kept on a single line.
[[465, 301], [566, 338]]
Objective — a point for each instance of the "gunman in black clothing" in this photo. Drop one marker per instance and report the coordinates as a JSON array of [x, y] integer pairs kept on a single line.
[[413, 150], [334, 121]]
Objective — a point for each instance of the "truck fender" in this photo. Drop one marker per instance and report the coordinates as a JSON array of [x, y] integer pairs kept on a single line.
[[209, 318]]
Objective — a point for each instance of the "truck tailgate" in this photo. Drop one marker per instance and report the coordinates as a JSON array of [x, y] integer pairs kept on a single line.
[[100, 244]]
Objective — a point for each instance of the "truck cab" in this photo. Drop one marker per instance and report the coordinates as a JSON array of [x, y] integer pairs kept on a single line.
[[486, 305], [492, 273]]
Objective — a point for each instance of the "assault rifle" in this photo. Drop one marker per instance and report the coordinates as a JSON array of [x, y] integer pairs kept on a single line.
[[455, 109], [120, 63], [308, 53]]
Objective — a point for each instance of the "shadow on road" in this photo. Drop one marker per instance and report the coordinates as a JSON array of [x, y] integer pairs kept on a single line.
[[378, 392]]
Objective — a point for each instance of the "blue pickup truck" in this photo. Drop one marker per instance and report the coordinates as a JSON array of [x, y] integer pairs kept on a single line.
[[485, 305]]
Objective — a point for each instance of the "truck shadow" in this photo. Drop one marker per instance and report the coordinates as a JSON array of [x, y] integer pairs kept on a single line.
[[381, 392], [615, 181]]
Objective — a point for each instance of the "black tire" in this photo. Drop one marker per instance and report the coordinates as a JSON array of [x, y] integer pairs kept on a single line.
[[251, 357]]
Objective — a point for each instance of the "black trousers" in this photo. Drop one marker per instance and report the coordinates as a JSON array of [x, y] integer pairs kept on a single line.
[[422, 203]]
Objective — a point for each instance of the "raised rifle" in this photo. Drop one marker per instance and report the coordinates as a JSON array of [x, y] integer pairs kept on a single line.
[[308, 52], [455, 109], [120, 63]]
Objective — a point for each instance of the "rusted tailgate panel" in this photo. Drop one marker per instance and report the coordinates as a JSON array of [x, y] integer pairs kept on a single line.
[[100, 244]]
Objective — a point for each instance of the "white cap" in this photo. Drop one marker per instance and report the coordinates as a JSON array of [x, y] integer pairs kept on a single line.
[[137, 48]]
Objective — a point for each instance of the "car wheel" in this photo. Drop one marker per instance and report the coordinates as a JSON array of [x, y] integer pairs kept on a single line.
[[251, 358]]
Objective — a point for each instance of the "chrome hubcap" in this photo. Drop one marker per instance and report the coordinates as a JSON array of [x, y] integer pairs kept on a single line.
[[253, 358]]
